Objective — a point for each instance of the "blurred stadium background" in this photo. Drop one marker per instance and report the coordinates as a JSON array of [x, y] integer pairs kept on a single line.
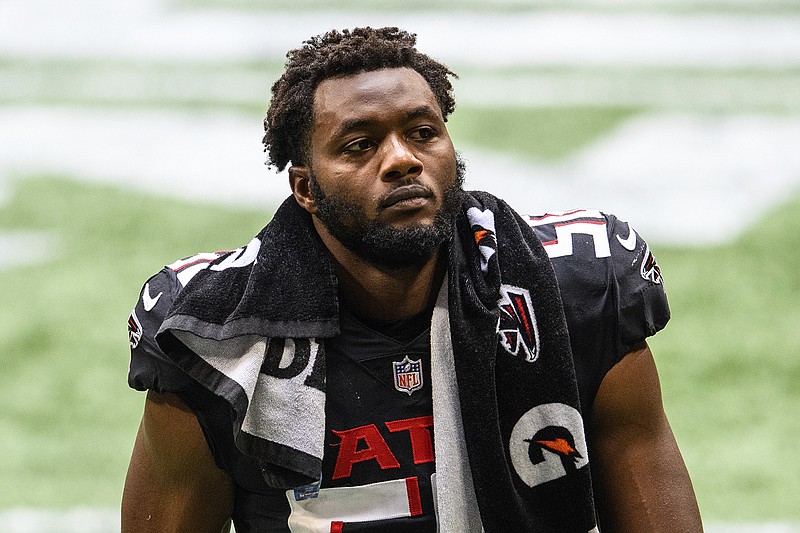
[[130, 136]]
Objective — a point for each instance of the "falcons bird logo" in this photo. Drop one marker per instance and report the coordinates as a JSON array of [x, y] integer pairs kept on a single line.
[[134, 329], [482, 224], [650, 269], [517, 325]]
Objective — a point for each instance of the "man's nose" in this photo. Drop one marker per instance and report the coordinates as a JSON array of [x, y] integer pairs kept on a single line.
[[399, 161]]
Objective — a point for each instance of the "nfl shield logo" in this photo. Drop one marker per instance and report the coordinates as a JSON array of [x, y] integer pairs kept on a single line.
[[407, 375]]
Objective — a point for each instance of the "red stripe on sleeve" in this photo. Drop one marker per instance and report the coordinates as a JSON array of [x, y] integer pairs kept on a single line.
[[336, 527]]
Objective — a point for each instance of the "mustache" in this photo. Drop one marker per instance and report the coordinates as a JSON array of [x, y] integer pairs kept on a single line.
[[403, 191]]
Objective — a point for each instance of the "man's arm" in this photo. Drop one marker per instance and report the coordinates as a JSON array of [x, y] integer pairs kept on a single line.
[[641, 482], [173, 483]]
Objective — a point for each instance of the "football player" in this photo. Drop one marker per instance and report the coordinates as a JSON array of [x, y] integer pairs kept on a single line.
[[393, 353]]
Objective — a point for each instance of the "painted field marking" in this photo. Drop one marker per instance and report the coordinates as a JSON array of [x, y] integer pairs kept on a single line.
[[100, 520]]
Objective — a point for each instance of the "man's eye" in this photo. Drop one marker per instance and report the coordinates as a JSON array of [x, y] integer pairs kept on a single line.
[[359, 145], [423, 134]]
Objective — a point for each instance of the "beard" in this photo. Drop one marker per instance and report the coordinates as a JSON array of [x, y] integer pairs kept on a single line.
[[384, 245]]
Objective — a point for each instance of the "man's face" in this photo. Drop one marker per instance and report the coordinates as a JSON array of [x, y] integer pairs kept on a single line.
[[383, 173]]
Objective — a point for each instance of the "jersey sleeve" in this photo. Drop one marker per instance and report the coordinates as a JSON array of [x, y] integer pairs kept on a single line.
[[641, 302], [150, 368], [611, 289]]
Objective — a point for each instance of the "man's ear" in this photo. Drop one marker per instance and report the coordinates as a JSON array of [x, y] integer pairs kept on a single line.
[[300, 182]]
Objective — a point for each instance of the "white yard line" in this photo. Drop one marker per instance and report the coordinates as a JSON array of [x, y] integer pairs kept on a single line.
[[680, 178], [96, 520], [149, 30], [21, 248], [77, 520]]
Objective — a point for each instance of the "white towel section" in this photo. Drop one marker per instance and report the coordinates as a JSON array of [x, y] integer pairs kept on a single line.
[[454, 493]]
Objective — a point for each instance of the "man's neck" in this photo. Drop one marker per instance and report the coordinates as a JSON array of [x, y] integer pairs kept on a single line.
[[381, 293]]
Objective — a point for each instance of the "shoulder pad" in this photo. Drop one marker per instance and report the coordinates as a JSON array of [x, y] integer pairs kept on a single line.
[[578, 232], [598, 257], [149, 367], [557, 231], [186, 268]]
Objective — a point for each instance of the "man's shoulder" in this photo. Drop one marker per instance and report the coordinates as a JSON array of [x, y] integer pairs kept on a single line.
[[159, 292], [149, 367], [591, 240], [606, 271], [173, 277], [573, 233], [186, 268], [593, 252]]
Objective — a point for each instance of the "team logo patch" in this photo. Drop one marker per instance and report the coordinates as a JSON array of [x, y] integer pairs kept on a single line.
[[134, 330], [482, 224], [548, 443], [650, 269], [407, 375], [517, 328]]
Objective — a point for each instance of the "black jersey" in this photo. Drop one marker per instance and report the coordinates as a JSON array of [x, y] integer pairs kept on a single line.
[[378, 464], [611, 287], [379, 456]]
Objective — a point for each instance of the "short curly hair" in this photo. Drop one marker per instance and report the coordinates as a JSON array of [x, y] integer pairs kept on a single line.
[[336, 54]]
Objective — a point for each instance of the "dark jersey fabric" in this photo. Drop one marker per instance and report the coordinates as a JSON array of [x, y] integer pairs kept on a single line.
[[378, 466], [374, 434]]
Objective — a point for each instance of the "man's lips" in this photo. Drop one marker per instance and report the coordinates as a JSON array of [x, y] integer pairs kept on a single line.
[[406, 192]]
